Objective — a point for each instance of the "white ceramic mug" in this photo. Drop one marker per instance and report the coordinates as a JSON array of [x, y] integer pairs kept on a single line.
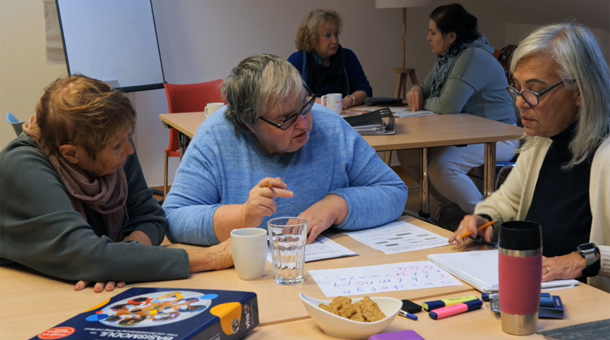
[[211, 108], [333, 102], [249, 249]]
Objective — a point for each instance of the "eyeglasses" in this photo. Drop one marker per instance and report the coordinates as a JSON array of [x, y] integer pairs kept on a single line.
[[290, 120], [530, 97]]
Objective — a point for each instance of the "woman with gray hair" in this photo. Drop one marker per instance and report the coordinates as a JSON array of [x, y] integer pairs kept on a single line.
[[562, 89], [263, 155]]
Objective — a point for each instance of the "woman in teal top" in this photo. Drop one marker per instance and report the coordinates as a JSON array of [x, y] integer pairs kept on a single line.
[[466, 79]]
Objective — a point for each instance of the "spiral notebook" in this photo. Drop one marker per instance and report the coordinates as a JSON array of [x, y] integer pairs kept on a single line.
[[480, 270]]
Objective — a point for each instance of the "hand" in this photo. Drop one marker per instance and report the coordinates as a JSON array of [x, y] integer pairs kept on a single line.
[[415, 98], [470, 223], [100, 286], [332, 209], [346, 103], [261, 202], [562, 267], [210, 258]]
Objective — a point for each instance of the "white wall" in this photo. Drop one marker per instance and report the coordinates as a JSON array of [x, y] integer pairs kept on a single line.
[[517, 32], [204, 40], [419, 54], [23, 72]]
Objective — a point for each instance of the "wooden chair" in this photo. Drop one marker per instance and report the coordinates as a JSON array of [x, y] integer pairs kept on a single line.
[[186, 98], [400, 87]]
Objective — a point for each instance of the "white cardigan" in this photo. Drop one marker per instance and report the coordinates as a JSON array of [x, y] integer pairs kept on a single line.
[[513, 199]]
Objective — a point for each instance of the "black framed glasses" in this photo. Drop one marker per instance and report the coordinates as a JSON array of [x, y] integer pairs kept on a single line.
[[290, 120], [530, 97]]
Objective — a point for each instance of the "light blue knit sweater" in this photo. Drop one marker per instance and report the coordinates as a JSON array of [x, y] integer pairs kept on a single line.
[[221, 167]]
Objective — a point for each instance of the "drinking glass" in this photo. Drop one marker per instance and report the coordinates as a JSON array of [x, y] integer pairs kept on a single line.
[[287, 237]]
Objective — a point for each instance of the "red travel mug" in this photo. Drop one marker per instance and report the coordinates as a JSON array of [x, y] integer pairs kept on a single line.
[[520, 268]]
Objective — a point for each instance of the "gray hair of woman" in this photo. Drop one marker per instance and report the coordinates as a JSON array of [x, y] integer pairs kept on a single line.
[[256, 86], [582, 67]]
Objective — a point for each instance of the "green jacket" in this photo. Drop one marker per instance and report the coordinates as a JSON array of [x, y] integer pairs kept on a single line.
[[40, 229]]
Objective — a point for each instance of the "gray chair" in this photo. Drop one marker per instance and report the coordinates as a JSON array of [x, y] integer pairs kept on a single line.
[[11, 119]]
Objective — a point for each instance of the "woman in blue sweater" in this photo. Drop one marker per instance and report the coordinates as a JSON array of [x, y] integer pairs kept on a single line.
[[263, 155], [325, 66], [466, 79]]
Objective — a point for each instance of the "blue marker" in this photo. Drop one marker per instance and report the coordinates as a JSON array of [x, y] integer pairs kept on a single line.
[[407, 315], [490, 296]]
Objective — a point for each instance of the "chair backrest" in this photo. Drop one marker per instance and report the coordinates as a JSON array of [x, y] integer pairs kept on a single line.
[[189, 98], [17, 125], [192, 97]]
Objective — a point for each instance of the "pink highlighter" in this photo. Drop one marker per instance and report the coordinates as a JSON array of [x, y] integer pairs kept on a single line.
[[463, 307]]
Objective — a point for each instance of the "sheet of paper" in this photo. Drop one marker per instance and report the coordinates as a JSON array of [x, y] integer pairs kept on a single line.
[[359, 110], [321, 249], [402, 112], [398, 237], [480, 270], [382, 278]]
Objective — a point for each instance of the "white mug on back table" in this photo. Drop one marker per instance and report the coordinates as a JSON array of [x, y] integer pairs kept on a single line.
[[333, 102], [211, 108]]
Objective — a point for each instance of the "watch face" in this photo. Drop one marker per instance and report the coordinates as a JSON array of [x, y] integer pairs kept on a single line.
[[586, 246]]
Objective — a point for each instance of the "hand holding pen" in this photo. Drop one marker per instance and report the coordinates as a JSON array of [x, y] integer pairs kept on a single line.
[[261, 201], [473, 226]]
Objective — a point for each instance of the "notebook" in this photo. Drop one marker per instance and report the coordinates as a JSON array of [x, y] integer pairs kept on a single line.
[[480, 270], [592, 330]]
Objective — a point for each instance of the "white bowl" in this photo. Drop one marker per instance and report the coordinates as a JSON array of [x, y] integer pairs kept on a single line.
[[340, 327]]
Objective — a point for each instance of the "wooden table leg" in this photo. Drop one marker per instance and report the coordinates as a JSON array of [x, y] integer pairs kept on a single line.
[[424, 204], [489, 179]]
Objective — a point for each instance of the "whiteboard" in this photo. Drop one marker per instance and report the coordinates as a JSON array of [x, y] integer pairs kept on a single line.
[[112, 40]]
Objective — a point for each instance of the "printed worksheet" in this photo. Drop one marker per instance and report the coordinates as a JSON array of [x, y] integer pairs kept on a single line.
[[403, 112], [321, 249], [398, 237], [382, 278]]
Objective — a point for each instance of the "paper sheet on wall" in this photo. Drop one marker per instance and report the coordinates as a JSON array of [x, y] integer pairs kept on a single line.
[[398, 237], [321, 249], [382, 278]]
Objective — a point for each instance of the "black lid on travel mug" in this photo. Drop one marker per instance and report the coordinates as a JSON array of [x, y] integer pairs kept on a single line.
[[520, 235]]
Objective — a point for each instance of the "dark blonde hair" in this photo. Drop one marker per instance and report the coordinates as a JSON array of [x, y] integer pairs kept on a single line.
[[308, 32], [82, 111]]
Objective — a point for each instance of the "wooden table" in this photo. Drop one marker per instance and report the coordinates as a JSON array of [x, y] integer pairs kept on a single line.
[[31, 303], [411, 133], [21, 288], [583, 304]]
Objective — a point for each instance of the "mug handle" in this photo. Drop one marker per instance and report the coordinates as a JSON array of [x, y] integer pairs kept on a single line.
[[322, 99], [205, 111]]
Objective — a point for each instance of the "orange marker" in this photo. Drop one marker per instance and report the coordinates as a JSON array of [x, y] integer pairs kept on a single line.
[[479, 229], [270, 185]]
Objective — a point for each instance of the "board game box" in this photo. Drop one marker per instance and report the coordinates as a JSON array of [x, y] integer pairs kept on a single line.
[[163, 314]]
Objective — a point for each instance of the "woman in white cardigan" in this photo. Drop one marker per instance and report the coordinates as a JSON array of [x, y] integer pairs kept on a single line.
[[562, 176]]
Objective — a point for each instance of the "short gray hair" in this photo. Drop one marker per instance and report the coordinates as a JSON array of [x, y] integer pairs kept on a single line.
[[582, 67], [258, 84]]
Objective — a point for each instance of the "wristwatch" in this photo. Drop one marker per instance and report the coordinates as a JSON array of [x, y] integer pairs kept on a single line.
[[353, 99], [589, 252]]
